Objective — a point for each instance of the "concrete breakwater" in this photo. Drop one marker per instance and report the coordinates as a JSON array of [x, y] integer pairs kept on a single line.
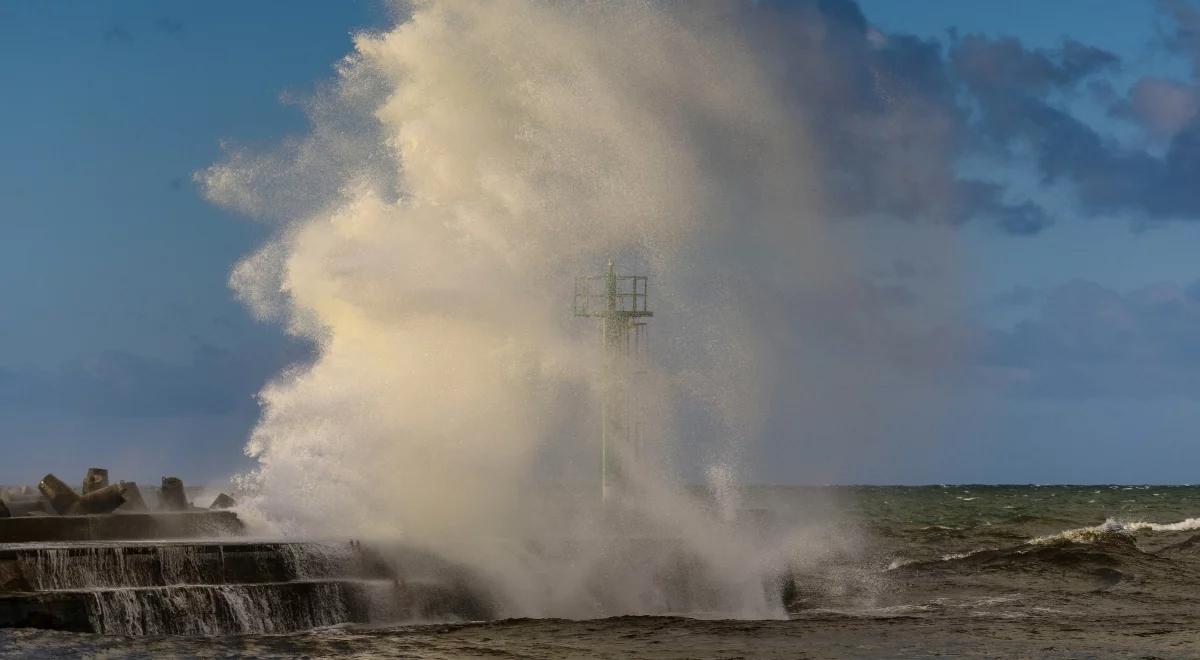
[[115, 527], [54, 497], [98, 559], [224, 586], [100, 511]]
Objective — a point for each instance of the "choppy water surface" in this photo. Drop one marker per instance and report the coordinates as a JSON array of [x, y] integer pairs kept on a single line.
[[988, 571]]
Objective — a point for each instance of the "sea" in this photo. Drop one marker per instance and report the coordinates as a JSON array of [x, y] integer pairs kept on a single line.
[[976, 571]]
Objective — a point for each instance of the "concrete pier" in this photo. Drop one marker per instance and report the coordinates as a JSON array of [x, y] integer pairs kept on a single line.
[[224, 586], [120, 526], [97, 560]]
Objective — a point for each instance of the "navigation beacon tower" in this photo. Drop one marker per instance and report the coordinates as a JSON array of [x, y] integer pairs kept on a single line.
[[620, 301]]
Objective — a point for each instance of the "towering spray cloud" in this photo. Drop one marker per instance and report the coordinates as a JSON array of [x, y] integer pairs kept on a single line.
[[463, 168]]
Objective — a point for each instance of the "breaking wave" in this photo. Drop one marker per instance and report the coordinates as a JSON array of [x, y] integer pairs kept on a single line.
[[1114, 526], [1107, 544], [462, 170]]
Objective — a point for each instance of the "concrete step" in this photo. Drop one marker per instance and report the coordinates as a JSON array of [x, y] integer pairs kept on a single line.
[[225, 586], [120, 526], [266, 607], [59, 566]]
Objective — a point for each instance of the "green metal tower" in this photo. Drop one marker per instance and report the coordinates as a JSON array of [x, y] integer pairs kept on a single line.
[[620, 301]]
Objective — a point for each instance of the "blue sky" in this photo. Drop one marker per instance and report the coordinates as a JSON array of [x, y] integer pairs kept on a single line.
[[114, 266], [123, 346]]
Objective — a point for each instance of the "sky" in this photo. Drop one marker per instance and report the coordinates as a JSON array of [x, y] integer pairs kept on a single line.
[[1072, 155]]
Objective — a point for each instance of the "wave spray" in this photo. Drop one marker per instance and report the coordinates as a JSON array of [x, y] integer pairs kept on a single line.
[[461, 171]]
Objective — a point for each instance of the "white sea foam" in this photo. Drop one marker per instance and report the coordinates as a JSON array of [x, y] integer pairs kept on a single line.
[[1114, 526], [899, 562]]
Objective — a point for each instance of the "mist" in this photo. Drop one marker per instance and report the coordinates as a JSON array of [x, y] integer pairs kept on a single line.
[[462, 169]]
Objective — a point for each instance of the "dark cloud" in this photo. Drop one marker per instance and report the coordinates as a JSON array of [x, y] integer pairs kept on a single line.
[[998, 67], [1085, 340], [886, 115], [1162, 106], [1183, 34], [122, 384], [894, 115], [1012, 90], [985, 200], [1014, 103], [1009, 87]]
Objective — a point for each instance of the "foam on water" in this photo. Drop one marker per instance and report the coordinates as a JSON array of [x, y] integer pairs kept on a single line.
[[1114, 526]]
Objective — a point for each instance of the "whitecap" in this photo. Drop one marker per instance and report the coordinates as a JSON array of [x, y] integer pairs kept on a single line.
[[1114, 526]]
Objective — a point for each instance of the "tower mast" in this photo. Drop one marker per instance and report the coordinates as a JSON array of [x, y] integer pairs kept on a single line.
[[620, 302]]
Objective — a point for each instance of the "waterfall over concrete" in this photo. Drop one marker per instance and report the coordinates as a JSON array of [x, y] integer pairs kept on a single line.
[[216, 587]]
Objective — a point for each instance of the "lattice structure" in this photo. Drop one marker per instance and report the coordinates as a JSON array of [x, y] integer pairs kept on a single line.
[[621, 302]]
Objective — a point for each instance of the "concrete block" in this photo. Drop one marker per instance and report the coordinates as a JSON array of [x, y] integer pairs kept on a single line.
[[103, 500], [96, 479], [62, 498], [172, 496], [133, 498]]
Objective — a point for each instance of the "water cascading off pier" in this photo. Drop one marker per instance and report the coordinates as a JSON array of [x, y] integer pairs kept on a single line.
[[178, 569], [223, 586]]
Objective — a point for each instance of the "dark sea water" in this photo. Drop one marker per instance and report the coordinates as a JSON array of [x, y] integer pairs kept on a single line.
[[881, 572]]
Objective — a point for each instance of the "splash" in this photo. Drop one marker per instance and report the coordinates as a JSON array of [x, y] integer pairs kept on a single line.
[[462, 169]]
